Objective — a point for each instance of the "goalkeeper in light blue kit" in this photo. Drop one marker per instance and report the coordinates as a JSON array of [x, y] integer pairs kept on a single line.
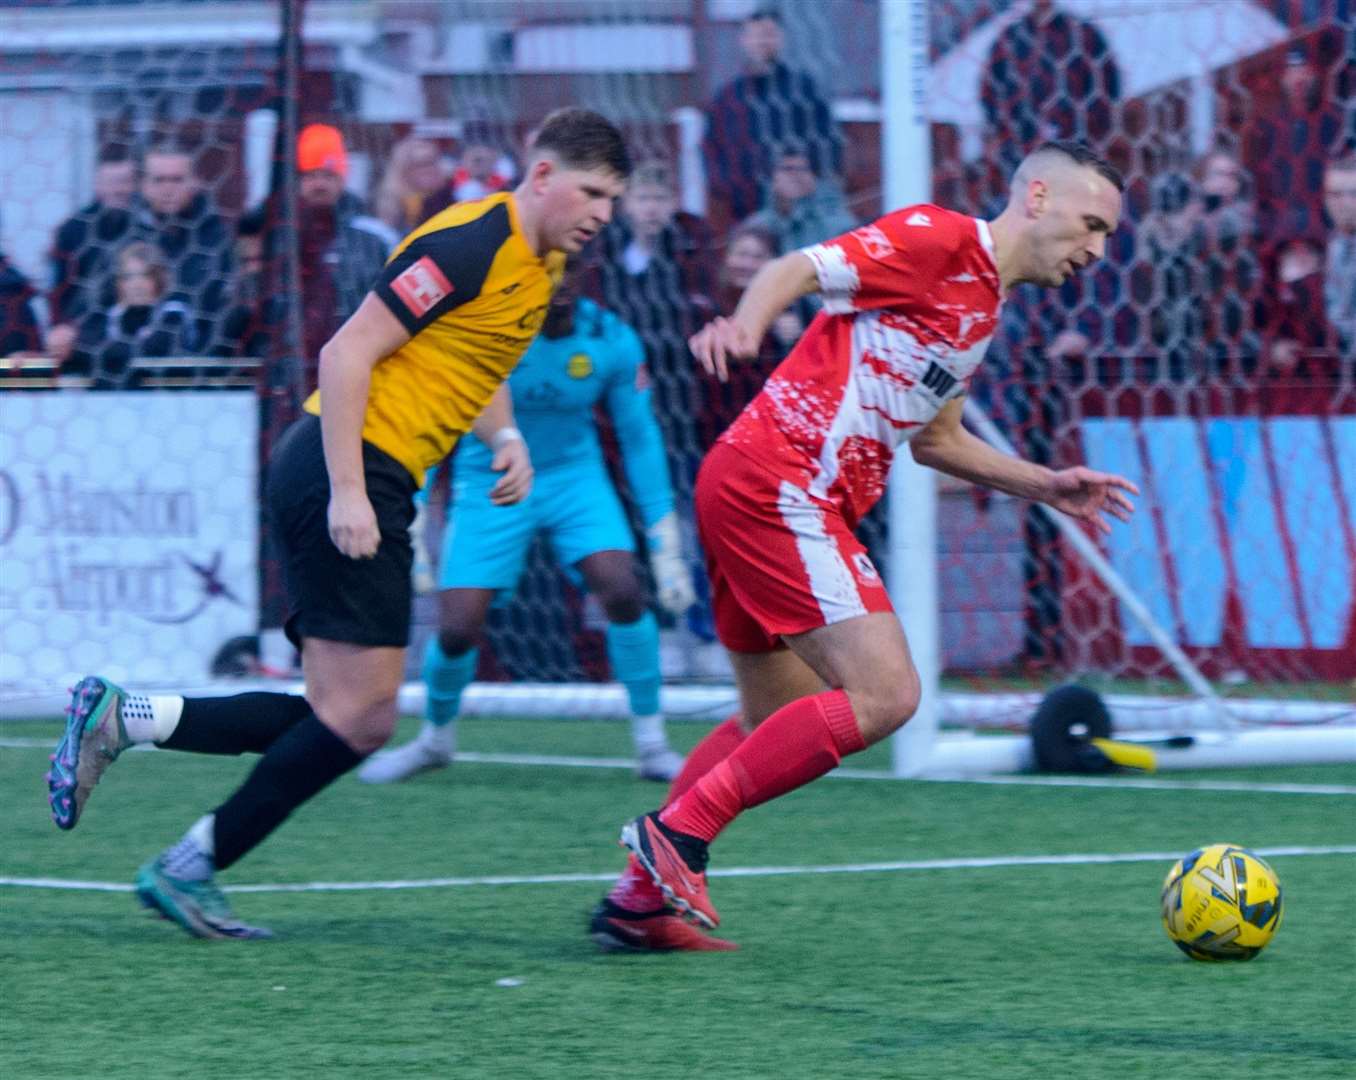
[[584, 355]]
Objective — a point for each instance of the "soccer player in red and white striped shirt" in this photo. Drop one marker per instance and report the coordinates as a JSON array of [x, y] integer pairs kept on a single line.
[[821, 662]]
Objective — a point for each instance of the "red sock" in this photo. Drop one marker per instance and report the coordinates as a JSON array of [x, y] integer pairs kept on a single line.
[[634, 890], [719, 744], [798, 743]]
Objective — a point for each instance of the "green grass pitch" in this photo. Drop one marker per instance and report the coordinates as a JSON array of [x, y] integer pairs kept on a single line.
[[1042, 971]]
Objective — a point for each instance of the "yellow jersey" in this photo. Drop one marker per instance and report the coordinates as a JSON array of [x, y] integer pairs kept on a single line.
[[472, 294]]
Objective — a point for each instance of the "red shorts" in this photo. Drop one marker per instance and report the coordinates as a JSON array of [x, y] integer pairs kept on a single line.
[[780, 561]]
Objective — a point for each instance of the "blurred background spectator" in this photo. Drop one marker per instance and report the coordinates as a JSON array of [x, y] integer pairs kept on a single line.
[[343, 248], [414, 175], [757, 110], [1339, 286], [747, 249], [653, 268], [83, 247], [1290, 138], [20, 328], [145, 321], [1297, 318], [482, 167], [1203, 283], [252, 312], [801, 207], [175, 215]]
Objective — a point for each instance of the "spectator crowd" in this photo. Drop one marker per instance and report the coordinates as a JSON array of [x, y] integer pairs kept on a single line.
[[1240, 264], [1241, 261]]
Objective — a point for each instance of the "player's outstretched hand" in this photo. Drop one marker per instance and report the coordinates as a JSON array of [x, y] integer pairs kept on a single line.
[[1087, 495], [720, 341], [512, 459], [353, 524]]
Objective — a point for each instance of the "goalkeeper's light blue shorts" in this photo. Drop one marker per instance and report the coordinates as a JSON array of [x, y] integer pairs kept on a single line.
[[485, 546]]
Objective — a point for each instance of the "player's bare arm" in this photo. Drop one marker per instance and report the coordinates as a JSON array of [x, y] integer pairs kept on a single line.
[[1082, 493], [775, 287], [494, 427], [370, 335]]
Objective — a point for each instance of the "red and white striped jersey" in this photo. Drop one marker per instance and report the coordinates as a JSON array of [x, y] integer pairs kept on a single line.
[[910, 304]]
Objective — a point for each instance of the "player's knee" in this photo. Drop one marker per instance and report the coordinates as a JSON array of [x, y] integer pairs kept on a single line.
[[375, 726], [622, 599], [890, 705], [905, 691], [625, 607], [364, 721], [457, 640]]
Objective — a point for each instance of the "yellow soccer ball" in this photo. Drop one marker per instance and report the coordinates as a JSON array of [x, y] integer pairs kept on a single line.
[[1221, 902]]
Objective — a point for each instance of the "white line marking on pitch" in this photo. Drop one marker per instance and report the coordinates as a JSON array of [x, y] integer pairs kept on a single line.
[[558, 761], [1148, 784], [982, 862]]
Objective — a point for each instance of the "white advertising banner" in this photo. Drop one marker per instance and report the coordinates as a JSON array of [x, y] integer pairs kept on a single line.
[[128, 534]]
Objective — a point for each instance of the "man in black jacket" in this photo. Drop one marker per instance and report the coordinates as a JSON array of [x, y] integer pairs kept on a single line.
[[174, 214], [85, 243], [759, 109]]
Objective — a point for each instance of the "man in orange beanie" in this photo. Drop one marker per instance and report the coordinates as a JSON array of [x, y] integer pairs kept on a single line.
[[343, 248], [320, 146]]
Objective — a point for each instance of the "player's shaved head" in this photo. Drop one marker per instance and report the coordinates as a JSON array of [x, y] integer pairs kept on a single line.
[[1058, 161]]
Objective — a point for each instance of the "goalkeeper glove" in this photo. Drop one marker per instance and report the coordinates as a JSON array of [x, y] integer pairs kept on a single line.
[[672, 575]]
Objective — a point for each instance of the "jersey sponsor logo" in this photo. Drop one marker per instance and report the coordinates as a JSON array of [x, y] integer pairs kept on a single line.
[[874, 240], [579, 366], [421, 285], [938, 380], [919, 218], [866, 570], [533, 318], [511, 288]]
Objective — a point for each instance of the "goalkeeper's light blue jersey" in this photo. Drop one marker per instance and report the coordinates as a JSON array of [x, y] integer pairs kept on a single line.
[[555, 387]]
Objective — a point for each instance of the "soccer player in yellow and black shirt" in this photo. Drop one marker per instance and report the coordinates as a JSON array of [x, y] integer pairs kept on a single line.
[[420, 363]]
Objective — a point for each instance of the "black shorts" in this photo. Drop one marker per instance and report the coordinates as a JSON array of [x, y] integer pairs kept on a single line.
[[329, 595]]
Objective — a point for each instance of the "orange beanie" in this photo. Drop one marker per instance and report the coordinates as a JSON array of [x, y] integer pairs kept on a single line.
[[320, 146]]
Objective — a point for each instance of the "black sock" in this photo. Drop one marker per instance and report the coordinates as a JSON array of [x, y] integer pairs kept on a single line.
[[307, 759], [243, 724]]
